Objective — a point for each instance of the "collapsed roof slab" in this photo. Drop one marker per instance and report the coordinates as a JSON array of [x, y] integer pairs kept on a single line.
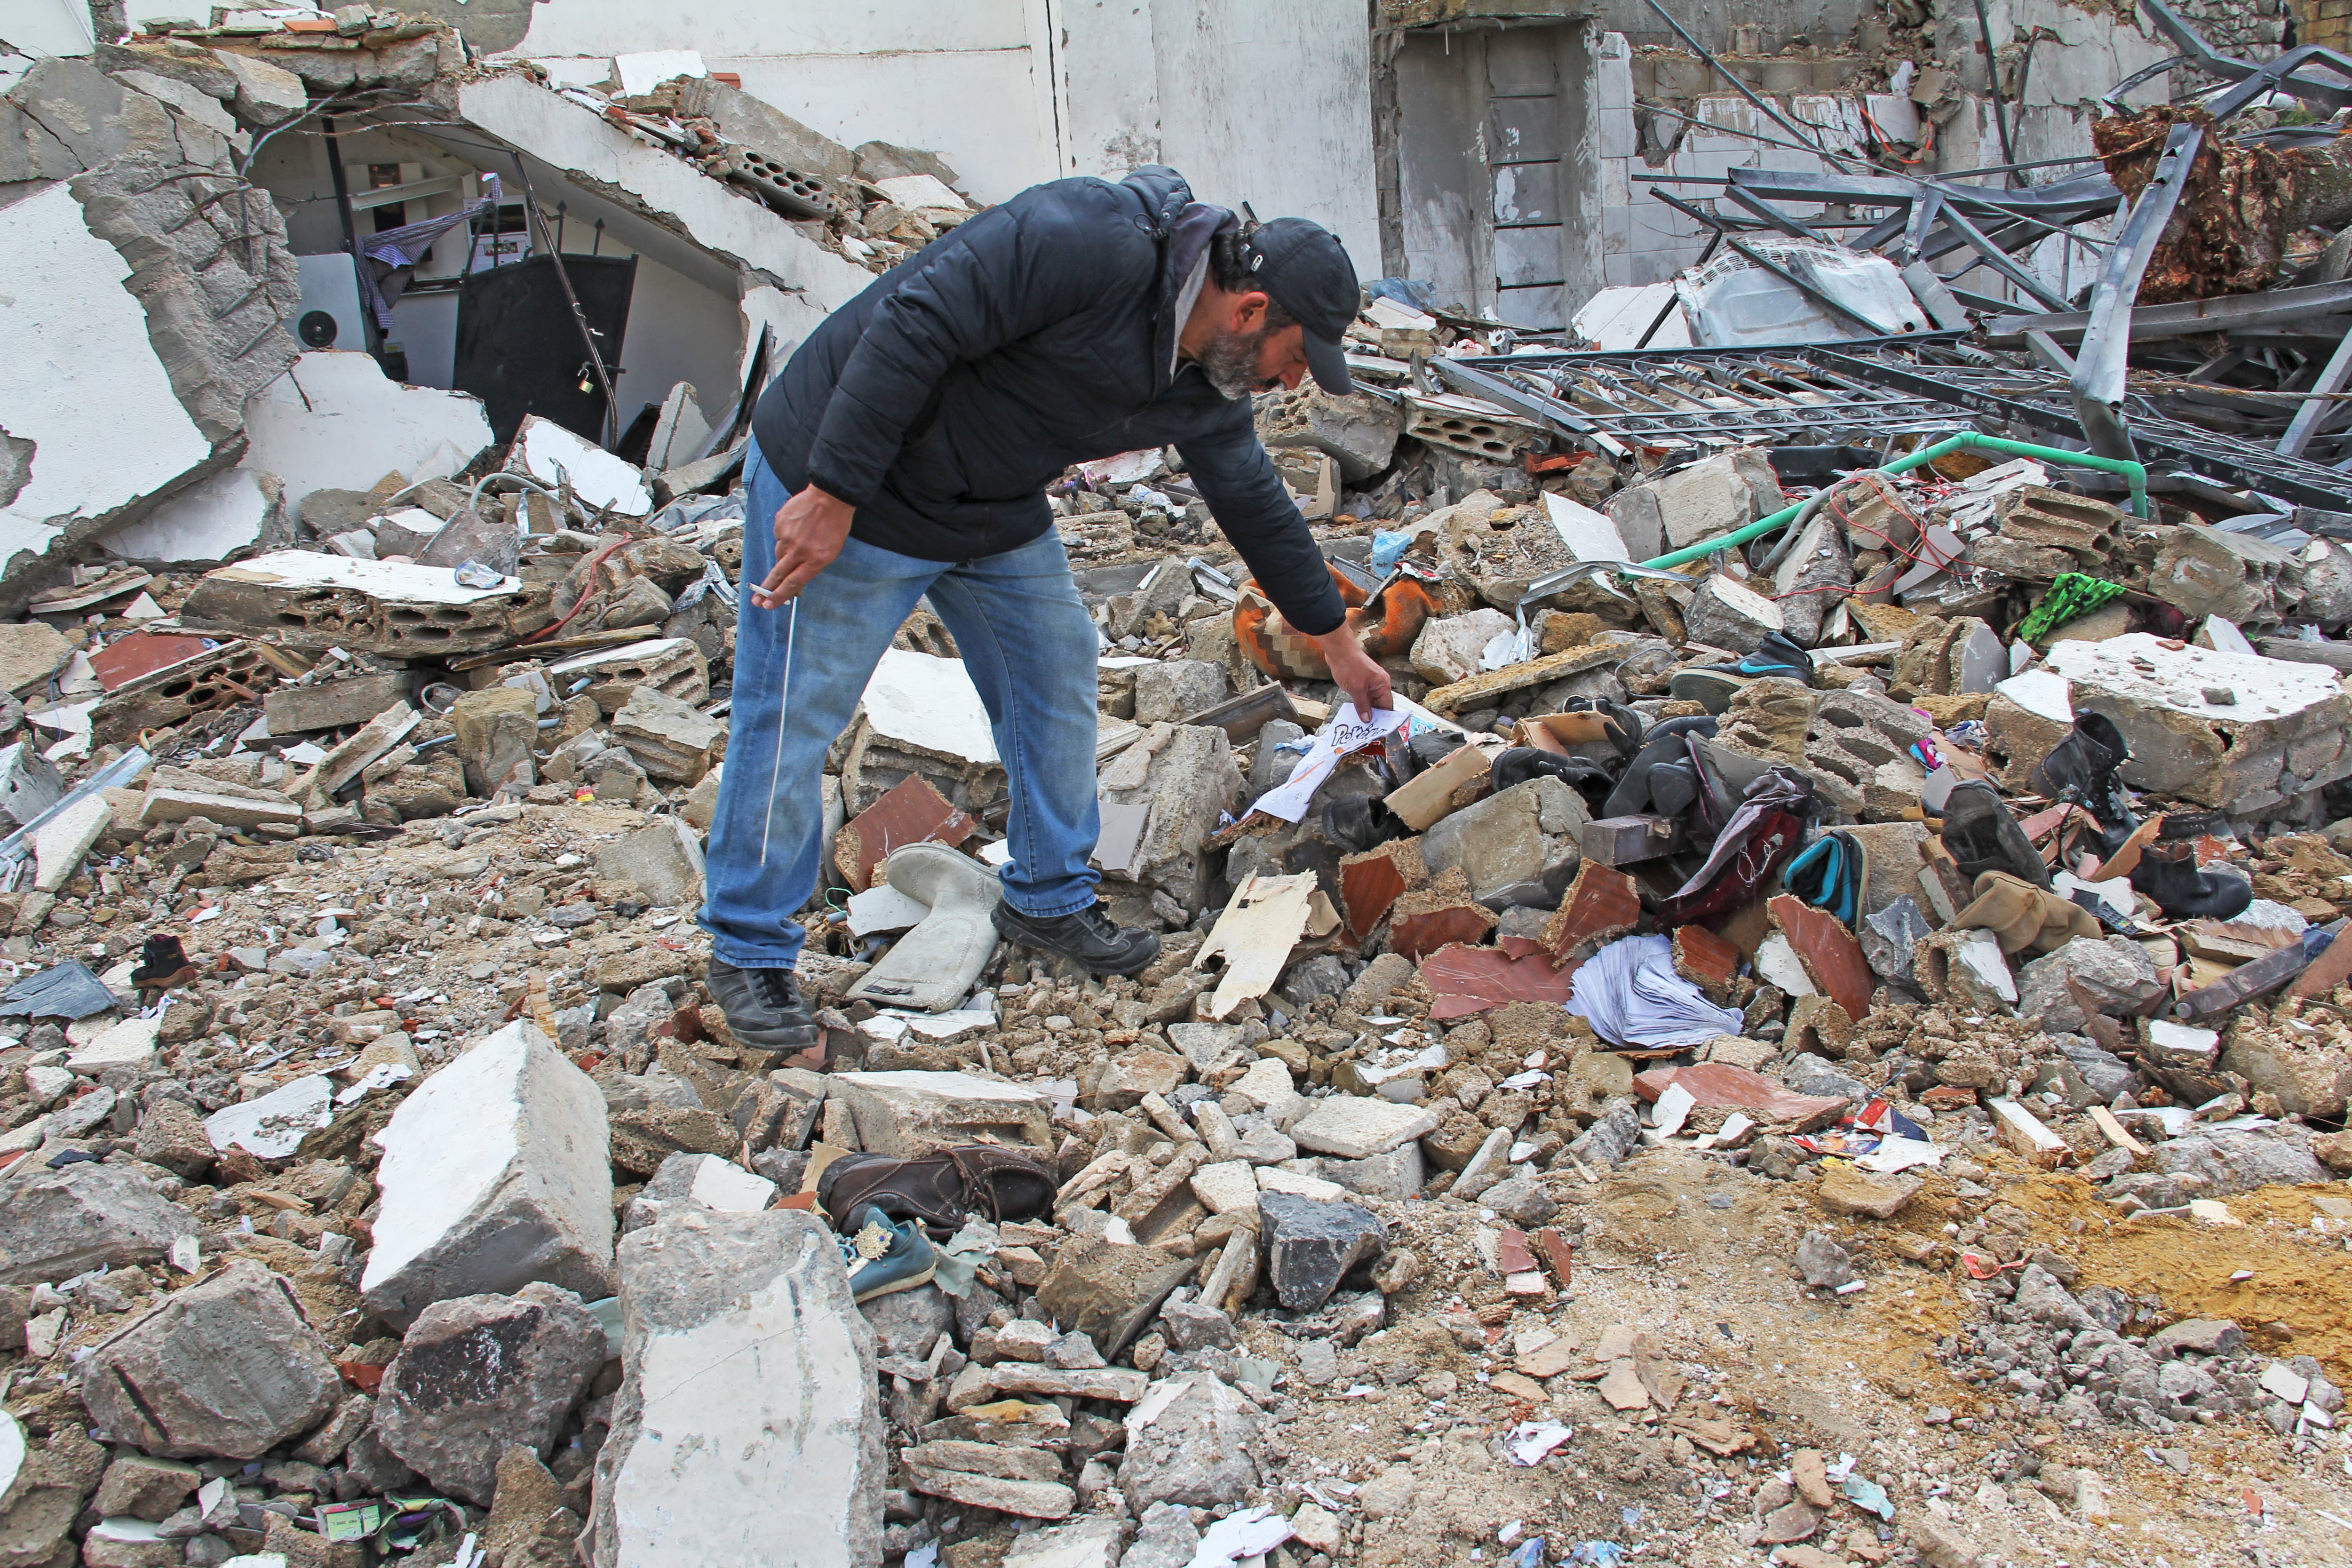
[[658, 199]]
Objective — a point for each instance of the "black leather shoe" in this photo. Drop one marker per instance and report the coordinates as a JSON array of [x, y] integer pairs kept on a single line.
[[763, 1007], [1360, 822], [1086, 938]]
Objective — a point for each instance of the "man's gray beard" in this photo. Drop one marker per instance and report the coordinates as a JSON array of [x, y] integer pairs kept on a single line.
[[1230, 363]]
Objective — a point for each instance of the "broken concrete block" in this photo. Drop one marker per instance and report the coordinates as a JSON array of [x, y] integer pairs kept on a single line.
[[227, 1367], [1109, 1290], [1310, 1246], [1194, 1441], [333, 704], [672, 741], [2089, 530], [239, 811], [664, 858], [1731, 616], [1357, 1126], [58, 1224], [910, 1114], [2115, 971], [674, 667], [30, 652], [60, 843], [495, 1173], [1521, 846], [29, 785], [1700, 501], [1091, 1543], [2207, 572], [307, 600], [1358, 429], [1812, 579], [498, 729], [1187, 780], [748, 1371], [2281, 733], [1172, 690], [1450, 649], [477, 1375], [2313, 1080]]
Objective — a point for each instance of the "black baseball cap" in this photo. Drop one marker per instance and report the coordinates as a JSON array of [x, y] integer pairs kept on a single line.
[[1303, 267]]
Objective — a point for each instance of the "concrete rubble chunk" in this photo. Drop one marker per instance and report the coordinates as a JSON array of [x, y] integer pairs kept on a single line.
[[1731, 616], [664, 858], [1193, 1440], [1310, 1246], [480, 1374], [495, 1173], [2283, 731], [748, 1372], [498, 730], [58, 1224], [227, 1367], [675, 667], [2115, 971], [317, 602], [672, 741], [1450, 648], [1520, 847], [1357, 1126], [909, 1113], [1699, 501], [1109, 1290]]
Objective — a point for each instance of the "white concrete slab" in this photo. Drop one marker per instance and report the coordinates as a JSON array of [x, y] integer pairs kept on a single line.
[[335, 421]]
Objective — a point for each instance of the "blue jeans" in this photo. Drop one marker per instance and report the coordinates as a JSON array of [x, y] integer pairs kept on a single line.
[[1030, 648]]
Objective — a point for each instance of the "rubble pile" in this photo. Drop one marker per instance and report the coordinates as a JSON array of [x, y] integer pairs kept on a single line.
[[1825, 986]]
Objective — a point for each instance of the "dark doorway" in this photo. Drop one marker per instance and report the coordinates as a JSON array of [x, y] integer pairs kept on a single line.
[[519, 348]]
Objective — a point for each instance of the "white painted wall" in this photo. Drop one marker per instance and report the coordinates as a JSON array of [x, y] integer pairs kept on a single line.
[[334, 421], [1268, 101], [969, 79], [83, 384], [39, 27]]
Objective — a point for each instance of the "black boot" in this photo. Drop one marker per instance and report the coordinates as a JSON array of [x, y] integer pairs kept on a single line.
[[2185, 892], [763, 1006], [1664, 743], [2084, 768], [1086, 938], [1982, 836]]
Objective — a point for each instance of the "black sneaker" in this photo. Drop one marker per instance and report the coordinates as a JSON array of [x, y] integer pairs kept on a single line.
[[1360, 822], [1086, 938], [763, 1007], [1712, 686]]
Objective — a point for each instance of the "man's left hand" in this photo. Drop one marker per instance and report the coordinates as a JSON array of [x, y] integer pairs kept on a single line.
[[1357, 672]]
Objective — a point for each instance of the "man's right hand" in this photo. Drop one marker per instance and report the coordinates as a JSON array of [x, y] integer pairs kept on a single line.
[[810, 528]]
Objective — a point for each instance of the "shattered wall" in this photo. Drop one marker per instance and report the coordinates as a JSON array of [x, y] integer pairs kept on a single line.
[[972, 78], [134, 179]]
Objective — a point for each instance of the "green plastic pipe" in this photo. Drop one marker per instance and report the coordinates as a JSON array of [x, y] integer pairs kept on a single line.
[[2133, 474]]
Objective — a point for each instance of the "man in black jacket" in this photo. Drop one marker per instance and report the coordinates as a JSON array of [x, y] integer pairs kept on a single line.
[[905, 451]]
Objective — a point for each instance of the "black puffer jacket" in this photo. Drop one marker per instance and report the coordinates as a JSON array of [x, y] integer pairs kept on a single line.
[[942, 400]]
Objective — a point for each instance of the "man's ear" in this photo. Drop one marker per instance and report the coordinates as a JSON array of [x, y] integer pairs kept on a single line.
[[1249, 312]]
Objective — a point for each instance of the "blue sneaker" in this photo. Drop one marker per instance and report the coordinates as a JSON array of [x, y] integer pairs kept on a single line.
[[883, 1257], [1712, 685]]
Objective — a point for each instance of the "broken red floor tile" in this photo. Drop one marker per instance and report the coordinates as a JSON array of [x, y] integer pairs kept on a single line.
[[1426, 918], [1370, 882], [1557, 1255], [1719, 1085], [1829, 953], [127, 658], [909, 812], [1705, 960], [1511, 1253], [1947, 1097], [1466, 980], [1601, 904]]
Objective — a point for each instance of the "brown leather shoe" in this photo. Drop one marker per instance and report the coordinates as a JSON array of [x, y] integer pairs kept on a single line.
[[942, 1190]]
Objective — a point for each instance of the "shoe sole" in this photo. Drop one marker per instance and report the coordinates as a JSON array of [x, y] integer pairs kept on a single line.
[[909, 1283], [1708, 689]]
